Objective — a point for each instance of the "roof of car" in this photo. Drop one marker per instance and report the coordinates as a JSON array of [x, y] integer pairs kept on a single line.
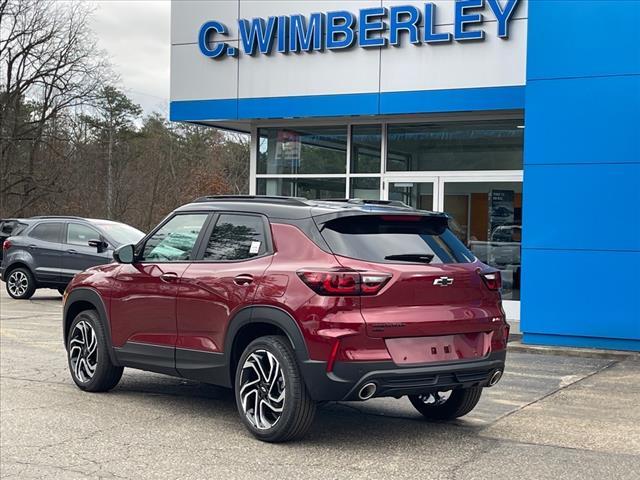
[[299, 207], [71, 217]]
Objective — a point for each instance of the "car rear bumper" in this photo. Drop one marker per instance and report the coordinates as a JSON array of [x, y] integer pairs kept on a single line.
[[391, 380]]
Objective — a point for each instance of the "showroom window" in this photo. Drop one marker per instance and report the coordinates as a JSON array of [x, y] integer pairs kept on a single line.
[[313, 188], [366, 148], [367, 188], [480, 145], [299, 150]]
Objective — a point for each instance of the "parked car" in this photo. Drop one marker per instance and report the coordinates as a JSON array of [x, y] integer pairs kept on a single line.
[[292, 302], [48, 251], [506, 233], [8, 227]]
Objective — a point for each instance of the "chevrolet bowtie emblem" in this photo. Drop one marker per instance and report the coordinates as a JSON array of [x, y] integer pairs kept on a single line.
[[443, 281]]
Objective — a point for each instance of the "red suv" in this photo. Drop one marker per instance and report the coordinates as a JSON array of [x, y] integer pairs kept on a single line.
[[292, 302]]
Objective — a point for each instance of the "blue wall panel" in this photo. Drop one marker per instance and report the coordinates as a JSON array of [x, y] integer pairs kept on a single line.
[[340, 105], [585, 120], [309, 106], [582, 293], [200, 110], [581, 211], [578, 38], [582, 207], [455, 100]]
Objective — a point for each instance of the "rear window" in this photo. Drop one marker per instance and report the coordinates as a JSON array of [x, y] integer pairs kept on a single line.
[[395, 239], [11, 228]]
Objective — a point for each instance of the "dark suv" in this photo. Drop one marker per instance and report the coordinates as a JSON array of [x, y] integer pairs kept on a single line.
[[46, 252], [293, 302]]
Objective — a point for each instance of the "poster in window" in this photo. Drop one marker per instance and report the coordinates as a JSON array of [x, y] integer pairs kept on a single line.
[[288, 149], [501, 209]]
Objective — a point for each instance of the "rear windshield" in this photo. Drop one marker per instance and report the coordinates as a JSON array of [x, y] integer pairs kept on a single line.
[[11, 228], [395, 239]]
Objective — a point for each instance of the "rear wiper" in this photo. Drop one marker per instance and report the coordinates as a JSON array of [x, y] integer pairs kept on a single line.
[[411, 257]]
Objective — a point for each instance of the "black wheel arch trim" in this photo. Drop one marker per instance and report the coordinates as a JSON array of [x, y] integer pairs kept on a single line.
[[84, 294], [268, 314]]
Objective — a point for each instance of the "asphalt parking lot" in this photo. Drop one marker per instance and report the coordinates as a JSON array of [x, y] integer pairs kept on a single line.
[[551, 416]]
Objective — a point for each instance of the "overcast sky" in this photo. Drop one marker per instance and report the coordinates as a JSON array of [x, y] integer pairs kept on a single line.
[[136, 36]]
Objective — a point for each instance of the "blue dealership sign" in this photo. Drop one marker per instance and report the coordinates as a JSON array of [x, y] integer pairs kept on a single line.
[[376, 27]]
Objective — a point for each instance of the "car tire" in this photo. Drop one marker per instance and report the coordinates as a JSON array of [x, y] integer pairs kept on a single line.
[[268, 376], [20, 283], [88, 354], [459, 402]]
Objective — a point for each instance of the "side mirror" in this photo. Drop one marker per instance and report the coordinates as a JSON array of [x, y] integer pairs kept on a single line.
[[124, 254], [99, 245]]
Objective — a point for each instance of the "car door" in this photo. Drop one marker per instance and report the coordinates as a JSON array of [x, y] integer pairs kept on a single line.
[[77, 254], [143, 303], [44, 246], [233, 258]]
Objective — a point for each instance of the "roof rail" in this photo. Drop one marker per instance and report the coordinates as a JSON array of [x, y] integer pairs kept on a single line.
[[363, 201], [44, 217], [297, 201]]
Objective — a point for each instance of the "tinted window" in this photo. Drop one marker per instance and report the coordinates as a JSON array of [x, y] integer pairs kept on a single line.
[[313, 188], [481, 145], [11, 227], [236, 237], [49, 232], [366, 147], [175, 240], [81, 234], [302, 150], [395, 239]]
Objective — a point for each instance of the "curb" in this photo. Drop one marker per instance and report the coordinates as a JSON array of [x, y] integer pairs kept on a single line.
[[516, 345]]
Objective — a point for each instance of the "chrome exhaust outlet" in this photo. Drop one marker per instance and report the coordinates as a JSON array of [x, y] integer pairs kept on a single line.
[[495, 377], [367, 391]]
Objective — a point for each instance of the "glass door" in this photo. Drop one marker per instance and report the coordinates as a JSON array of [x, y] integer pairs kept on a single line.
[[419, 192], [487, 217]]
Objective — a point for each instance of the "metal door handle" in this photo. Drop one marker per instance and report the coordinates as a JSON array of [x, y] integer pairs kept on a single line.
[[244, 279], [72, 251], [169, 277]]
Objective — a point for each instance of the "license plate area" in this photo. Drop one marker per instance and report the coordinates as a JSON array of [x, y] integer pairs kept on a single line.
[[419, 350]]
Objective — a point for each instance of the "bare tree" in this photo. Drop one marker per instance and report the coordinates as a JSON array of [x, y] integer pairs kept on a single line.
[[73, 143], [113, 121], [49, 63]]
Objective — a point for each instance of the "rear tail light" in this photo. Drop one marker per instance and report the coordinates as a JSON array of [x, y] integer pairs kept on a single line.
[[492, 280], [6, 245], [343, 283]]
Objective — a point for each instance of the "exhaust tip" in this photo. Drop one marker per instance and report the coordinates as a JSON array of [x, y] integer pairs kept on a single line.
[[495, 377], [367, 391]]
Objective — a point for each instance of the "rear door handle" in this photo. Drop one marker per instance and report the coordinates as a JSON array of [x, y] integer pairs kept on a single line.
[[72, 251], [244, 279], [169, 277]]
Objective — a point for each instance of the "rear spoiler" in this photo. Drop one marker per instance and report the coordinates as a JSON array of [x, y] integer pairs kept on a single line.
[[375, 210]]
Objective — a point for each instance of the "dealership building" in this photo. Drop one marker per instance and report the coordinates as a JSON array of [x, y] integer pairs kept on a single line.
[[521, 119]]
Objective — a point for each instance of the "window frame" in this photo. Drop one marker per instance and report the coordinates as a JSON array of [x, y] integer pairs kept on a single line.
[[65, 234], [63, 227], [140, 246], [269, 250]]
